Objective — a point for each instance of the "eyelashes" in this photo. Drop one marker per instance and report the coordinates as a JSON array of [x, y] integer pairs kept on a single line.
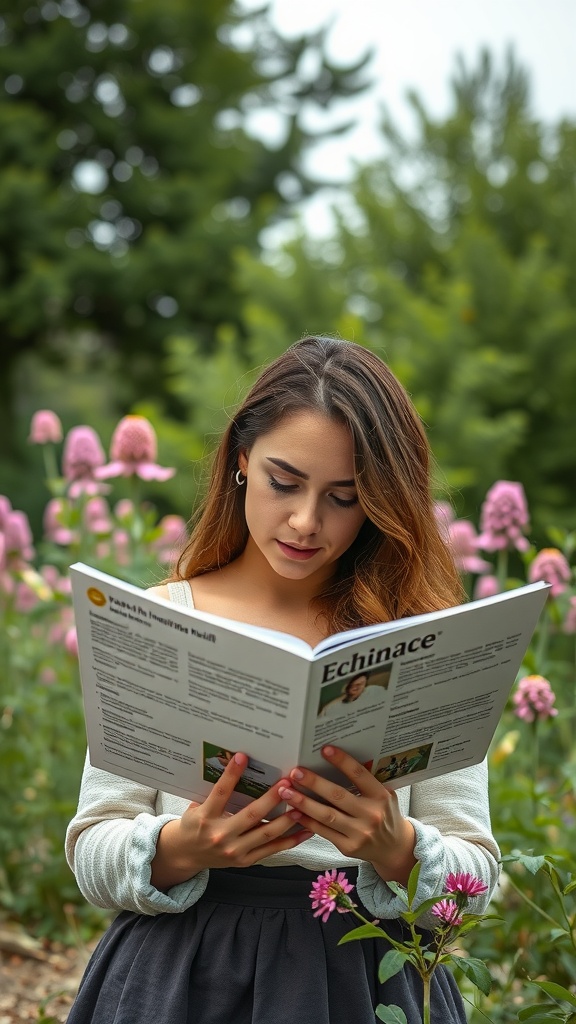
[[289, 488]]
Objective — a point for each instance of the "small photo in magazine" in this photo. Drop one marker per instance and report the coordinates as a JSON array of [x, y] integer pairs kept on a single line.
[[405, 762], [363, 689], [255, 780]]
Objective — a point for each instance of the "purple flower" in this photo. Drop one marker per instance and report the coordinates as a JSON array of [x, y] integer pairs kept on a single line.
[[504, 518], [83, 455], [54, 528], [462, 882], [463, 543], [133, 449], [534, 699], [550, 566], [169, 542], [97, 516], [18, 538], [486, 586], [448, 912], [329, 892], [45, 427]]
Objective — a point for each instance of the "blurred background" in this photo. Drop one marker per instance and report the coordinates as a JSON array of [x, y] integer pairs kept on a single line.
[[188, 187], [185, 189]]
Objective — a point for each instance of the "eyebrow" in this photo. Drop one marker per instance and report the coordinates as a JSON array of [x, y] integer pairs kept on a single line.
[[304, 476]]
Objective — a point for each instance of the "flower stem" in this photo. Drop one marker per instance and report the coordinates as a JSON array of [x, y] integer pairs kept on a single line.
[[426, 999]]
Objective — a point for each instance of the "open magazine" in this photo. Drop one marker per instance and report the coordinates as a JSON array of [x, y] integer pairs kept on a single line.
[[171, 693]]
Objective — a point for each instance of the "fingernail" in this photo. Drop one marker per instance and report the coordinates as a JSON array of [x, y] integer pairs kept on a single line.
[[329, 751], [295, 815], [239, 758], [296, 774], [286, 794]]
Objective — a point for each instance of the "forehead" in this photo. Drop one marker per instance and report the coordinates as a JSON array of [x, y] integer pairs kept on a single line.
[[310, 441]]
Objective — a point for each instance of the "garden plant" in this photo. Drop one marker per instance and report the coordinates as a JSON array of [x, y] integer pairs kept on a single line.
[[526, 944]]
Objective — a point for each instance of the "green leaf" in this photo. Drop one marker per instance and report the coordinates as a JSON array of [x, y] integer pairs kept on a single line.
[[391, 964], [556, 991], [399, 891], [532, 864], [391, 1014], [475, 970], [543, 1017], [365, 931], [413, 882]]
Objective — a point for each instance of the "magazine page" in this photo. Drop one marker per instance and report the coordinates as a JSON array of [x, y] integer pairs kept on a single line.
[[425, 699], [170, 695]]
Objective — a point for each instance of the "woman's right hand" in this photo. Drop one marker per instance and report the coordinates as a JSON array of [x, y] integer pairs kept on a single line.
[[208, 837]]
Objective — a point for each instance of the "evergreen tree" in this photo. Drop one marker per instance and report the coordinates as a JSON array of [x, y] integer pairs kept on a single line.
[[129, 178]]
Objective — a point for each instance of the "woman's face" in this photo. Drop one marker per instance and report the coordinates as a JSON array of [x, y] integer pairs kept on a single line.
[[356, 686], [302, 508]]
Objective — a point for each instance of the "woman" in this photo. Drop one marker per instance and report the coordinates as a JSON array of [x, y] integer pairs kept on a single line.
[[318, 518]]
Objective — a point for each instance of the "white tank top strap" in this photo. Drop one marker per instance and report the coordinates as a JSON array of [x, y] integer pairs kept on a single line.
[[180, 592]]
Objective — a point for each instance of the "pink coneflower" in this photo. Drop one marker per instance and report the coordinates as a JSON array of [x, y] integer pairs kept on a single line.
[[463, 542], [550, 566], [464, 883], [448, 912], [534, 699], [45, 428], [52, 520], [329, 892], [18, 538], [486, 586], [5, 509], [83, 455], [97, 516], [133, 450], [173, 535], [504, 518]]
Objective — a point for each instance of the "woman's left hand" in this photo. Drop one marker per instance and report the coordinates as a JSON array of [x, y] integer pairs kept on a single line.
[[368, 826]]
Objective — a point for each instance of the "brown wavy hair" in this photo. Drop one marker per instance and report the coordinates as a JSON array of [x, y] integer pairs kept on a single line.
[[399, 564]]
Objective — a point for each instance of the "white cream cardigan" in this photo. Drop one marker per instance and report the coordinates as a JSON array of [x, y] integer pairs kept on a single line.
[[111, 841]]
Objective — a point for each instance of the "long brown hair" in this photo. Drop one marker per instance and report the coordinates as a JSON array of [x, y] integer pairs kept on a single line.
[[399, 564]]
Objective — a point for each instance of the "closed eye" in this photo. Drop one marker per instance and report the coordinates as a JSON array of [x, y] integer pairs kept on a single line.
[[287, 488]]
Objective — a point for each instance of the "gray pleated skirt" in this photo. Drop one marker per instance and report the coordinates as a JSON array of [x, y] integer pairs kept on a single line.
[[249, 952]]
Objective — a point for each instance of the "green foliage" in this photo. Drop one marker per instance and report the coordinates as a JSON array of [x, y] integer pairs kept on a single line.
[[132, 172]]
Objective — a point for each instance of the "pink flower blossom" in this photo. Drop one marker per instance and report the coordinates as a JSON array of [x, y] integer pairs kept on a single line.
[[448, 912], [463, 543], [550, 566], [504, 518], [18, 538], [97, 516], [486, 586], [45, 427], [83, 455], [26, 598], [533, 699], [124, 510], [444, 514], [329, 892], [53, 523], [173, 535], [465, 883], [570, 620], [133, 449], [71, 642]]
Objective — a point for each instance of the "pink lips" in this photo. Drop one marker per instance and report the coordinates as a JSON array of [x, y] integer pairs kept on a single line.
[[298, 554]]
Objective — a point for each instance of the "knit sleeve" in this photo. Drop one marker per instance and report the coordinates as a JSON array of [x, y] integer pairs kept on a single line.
[[451, 819], [110, 845]]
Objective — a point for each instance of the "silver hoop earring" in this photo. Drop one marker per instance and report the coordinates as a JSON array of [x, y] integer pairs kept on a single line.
[[240, 478]]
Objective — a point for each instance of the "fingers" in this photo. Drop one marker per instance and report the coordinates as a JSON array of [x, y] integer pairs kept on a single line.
[[364, 781]]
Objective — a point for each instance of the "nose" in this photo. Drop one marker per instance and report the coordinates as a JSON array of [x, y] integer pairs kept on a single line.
[[305, 519]]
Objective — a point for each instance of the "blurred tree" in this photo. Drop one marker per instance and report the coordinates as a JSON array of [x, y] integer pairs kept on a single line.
[[456, 261], [131, 171]]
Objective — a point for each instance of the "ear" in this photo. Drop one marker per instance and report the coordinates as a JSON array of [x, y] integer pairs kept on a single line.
[[243, 461]]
